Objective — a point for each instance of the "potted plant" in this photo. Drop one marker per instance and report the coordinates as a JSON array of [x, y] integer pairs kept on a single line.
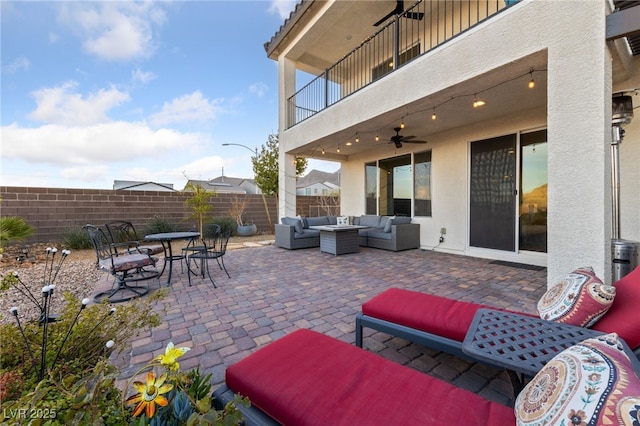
[[244, 227]]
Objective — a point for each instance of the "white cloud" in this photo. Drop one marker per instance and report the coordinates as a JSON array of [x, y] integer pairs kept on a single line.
[[114, 30], [62, 105], [19, 63], [142, 77], [204, 168], [85, 173], [53, 38], [116, 142], [259, 89], [282, 7], [191, 107]]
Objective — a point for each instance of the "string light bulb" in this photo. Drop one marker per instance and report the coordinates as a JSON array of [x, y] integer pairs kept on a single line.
[[322, 151], [357, 139], [532, 83], [348, 143], [402, 124], [478, 102], [377, 138], [433, 116], [338, 150]]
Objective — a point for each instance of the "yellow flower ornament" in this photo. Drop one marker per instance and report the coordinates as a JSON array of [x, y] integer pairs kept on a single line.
[[150, 394], [171, 354]]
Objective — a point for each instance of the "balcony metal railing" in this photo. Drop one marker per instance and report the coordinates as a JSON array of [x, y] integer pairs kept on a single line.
[[397, 43]]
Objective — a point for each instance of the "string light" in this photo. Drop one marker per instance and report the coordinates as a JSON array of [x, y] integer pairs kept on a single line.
[[478, 102], [532, 83]]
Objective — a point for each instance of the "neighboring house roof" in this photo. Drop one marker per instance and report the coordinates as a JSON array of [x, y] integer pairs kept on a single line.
[[316, 176], [141, 186], [226, 184]]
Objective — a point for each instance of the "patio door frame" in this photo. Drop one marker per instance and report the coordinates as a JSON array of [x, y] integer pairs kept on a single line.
[[517, 255]]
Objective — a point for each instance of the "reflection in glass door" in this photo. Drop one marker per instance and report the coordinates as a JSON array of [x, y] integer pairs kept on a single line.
[[493, 193], [533, 191]]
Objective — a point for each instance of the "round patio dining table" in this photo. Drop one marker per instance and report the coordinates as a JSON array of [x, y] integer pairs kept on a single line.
[[168, 237]]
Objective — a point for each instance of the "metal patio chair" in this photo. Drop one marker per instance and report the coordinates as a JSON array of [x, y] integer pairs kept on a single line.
[[215, 248], [126, 267], [123, 234]]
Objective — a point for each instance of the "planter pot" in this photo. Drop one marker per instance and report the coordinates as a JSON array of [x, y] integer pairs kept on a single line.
[[247, 230]]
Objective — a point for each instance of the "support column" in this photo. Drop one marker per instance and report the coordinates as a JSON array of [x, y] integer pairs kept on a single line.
[[579, 111], [287, 170]]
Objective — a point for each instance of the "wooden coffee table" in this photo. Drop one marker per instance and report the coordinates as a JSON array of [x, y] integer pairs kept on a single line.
[[339, 239]]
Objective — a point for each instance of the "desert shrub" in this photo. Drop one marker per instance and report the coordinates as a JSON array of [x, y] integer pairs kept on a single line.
[[77, 386], [13, 228], [76, 238], [226, 224], [158, 225]]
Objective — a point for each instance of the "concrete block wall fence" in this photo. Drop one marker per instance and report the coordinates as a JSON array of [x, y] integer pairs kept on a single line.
[[51, 211]]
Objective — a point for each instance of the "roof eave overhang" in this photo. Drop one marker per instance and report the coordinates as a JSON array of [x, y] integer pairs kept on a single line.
[[272, 46]]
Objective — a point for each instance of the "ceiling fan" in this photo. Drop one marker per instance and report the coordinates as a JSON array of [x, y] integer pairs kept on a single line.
[[398, 139], [398, 11]]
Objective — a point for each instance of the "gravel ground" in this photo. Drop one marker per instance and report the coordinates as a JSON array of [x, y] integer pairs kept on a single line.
[[77, 275]]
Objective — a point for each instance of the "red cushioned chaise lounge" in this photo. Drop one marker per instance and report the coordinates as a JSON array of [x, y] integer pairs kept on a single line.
[[441, 323], [307, 378]]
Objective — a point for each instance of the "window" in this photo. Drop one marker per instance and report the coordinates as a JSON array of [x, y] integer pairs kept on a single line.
[[422, 184], [399, 186]]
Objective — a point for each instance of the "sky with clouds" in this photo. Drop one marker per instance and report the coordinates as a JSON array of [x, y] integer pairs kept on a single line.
[[93, 92]]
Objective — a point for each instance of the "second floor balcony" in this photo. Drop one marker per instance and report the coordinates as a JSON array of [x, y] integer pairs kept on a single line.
[[396, 39]]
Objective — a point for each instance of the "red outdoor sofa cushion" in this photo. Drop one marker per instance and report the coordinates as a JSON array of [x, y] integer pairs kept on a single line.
[[307, 378], [426, 318]]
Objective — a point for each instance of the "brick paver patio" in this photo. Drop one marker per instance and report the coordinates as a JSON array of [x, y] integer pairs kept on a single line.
[[273, 291]]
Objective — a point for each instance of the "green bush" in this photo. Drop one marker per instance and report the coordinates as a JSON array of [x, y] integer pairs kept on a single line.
[[13, 228], [78, 384], [76, 238], [158, 225], [226, 223]]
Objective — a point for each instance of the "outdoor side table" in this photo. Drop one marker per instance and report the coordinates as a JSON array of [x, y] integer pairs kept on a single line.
[[168, 237], [518, 343]]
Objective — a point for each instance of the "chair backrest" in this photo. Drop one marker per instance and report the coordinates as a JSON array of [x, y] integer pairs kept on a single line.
[[121, 231], [100, 242], [222, 241], [211, 235]]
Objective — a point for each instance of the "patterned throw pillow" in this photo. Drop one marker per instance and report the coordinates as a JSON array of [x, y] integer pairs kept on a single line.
[[592, 382], [580, 299]]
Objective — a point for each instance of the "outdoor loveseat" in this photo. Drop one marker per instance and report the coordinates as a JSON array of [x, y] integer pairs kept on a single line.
[[442, 323], [383, 232]]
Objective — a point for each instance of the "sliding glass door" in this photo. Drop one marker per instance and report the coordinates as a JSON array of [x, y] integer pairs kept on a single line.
[[493, 193]]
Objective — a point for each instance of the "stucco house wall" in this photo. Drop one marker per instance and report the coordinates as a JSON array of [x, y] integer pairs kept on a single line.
[[568, 37]]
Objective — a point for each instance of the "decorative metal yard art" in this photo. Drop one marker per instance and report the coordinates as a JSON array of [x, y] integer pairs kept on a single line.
[[51, 270]]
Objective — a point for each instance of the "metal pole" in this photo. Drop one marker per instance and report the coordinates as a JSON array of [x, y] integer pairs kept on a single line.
[[617, 135]]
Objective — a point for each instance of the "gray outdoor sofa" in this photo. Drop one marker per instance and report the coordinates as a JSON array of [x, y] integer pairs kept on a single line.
[[383, 232]]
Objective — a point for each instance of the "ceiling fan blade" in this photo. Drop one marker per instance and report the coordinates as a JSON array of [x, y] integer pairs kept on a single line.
[[398, 10], [414, 141], [406, 138]]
